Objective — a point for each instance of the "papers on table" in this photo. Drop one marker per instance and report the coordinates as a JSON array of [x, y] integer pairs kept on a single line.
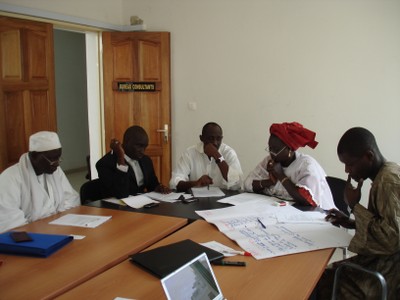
[[171, 197], [88, 221], [287, 230], [245, 198], [225, 250], [207, 191], [138, 201], [114, 201], [302, 218]]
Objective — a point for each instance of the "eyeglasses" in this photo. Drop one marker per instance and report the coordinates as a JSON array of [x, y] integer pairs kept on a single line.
[[275, 153], [52, 162]]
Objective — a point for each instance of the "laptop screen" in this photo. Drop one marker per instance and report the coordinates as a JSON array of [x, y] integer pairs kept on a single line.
[[194, 280]]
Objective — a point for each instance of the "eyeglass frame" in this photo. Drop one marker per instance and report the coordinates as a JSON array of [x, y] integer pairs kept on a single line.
[[275, 153], [54, 162]]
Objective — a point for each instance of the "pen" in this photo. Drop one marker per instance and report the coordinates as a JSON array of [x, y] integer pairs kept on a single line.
[[229, 263], [244, 253], [262, 225]]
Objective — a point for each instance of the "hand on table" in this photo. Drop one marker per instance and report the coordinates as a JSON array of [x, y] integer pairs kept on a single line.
[[338, 218], [162, 189]]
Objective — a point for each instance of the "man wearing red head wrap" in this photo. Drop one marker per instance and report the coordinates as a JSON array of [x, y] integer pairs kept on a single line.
[[289, 174]]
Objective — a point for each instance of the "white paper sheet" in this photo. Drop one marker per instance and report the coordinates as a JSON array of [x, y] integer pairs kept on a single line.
[[246, 198], [242, 224], [138, 201], [212, 191], [171, 197], [115, 201], [304, 217], [251, 209], [88, 221], [225, 250]]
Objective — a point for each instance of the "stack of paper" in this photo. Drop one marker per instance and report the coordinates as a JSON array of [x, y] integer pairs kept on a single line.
[[207, 191], [138, 201]]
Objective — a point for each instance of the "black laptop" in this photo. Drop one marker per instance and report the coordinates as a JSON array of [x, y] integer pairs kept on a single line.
[[164, 260]]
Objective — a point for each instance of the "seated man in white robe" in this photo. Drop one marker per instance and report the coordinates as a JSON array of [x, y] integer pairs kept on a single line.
[[35, 187]]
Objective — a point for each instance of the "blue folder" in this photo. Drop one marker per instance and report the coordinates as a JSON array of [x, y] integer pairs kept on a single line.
[[42, 245]]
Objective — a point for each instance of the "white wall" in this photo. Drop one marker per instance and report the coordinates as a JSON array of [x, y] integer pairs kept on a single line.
[[327, 64], [108, 11]]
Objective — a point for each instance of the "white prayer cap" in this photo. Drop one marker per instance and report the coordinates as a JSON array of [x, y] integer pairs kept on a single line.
[[44, 141]]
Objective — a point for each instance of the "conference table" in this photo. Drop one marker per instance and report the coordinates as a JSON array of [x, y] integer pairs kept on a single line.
[[103, 247], [180, 209], [285, 277], [176, 209]]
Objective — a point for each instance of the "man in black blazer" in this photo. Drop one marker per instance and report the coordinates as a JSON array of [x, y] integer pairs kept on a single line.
[[126, 170]]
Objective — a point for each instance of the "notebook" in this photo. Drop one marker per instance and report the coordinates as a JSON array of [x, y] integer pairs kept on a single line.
[[164, 260], [42, 245], [194, 280]]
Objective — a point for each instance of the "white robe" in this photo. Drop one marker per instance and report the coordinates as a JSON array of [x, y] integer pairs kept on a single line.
[[304, 172], [23, 199]]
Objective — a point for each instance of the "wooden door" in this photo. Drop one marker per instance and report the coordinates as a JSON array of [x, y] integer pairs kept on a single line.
[[27, 97], [137, 91]]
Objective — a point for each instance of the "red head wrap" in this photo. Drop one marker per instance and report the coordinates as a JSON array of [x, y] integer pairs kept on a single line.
[[294, 135]]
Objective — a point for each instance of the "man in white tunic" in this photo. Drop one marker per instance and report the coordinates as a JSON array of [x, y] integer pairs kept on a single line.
[[209, 163], [35, 187]]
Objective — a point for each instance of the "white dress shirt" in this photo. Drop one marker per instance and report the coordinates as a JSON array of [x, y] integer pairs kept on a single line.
[[194, 163]]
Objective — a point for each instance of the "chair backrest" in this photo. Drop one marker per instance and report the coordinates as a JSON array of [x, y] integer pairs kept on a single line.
[[378, 276], [337, 186], [91, 191]]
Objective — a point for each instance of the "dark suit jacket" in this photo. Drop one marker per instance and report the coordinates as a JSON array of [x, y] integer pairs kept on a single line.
[[122, 184]]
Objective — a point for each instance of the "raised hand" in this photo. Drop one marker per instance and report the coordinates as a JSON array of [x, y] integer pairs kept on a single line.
[[211, 151], [116, 147], [275, 171], [352, 195]]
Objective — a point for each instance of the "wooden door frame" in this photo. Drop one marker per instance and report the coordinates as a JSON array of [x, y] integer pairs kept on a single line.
[[94, 67]]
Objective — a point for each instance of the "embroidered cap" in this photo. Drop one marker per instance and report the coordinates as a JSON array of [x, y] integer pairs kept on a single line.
[[44, 141]]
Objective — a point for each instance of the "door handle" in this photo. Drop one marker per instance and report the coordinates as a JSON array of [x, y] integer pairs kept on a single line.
[[165, 131]]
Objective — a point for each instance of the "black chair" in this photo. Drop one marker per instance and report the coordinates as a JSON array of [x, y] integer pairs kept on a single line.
[[337, 186], [378, 276], [91, 191]]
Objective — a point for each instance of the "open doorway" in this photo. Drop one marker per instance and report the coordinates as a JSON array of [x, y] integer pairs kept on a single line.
[[72, 103]]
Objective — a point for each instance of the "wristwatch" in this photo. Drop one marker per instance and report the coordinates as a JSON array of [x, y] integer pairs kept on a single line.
[[220, 160]]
